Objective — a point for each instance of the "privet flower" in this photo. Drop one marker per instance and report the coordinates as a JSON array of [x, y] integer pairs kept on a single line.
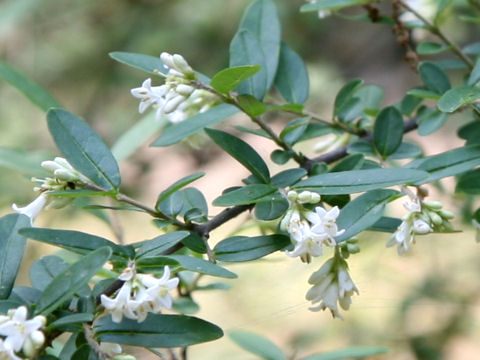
[[6, 352], [178, 98], [423, 218], [309, 230], [20, 333], [332, 286], [64, 177], [140, 294]]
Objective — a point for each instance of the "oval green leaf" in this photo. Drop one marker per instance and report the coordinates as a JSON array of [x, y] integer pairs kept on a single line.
[[354, 352], [434, 77], [159, 244], [331, 4], [257, 345], [226, 80], [150, 64], [245, 195], [388, 131], [458, 97]]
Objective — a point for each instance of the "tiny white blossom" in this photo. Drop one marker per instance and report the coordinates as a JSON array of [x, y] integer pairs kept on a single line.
[[6, 352], [148, 95], [33, 209], [159, 291], [324, 223], [110, 349], [421, 227], [121, 305]]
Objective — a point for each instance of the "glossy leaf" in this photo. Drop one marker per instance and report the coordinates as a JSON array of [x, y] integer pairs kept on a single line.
[[261, 20], [331, 4], [202, 266], [434, 77], [76, 241], [257, 345], [348, 182], [406, 150], [12, 246], [253, 107], [430, 122], [386, 224], [33, 91], [458, 97], [226, 80], [288, 177], [346, 93], [245, 195], [350, 162], [194, 124], [280, 156], [245, 49], [244, 248], [388, 131], [292, 77], [354, 352], [159, 244], [44, 270], [371, 96], [67, 283], [157, 331], [178, 185], [424, 93], [430, 48], [271, 210], [71, 319], [449, 163], [242, 152], [83, 148], [150, 64], [363, 212]]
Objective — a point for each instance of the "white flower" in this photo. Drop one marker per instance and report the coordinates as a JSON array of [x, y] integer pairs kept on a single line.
[[18, 329], [413, 206], [158, 291], [122, 304], [110, 349], [307, 243], [6, 352], [176, 64], [324, 223], [148, 95], [34, 208], [403, 237], [421, 227]]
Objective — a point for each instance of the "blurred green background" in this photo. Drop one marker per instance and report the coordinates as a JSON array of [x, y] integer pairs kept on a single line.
[[423, 306]]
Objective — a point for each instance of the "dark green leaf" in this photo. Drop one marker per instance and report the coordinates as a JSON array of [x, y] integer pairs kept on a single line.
[[150, 64], [424, 93], [12, 246], [157, 331], [354, 352], [187, 201], [474, 77], [292, 76], [431, 122], [202, 266], [261, 20], [371, 96], [388, 131], [6, 305], [458, 97], [25, 295], [469, 182], [160, 244], [63, 286], [244, 248], [194, 124], [195, 242], [33, 91], [406, 150], [245, 49], [44, 270], [431, 48], [350, 162], [294, 130], [253, 107], [226, 80], [257, 345], [449, 163], [348, 182], [83, 148], [185, 305], [470, 132], [362, 147], [245, 195], [408, 104], [451, 64], [242, 152], [76, 241], [386, 224], [178, 185], [434, 77], [332, 4], [280, 156], [71, 319], [271, 210], [346, 94], [288, 177], [363, 212]]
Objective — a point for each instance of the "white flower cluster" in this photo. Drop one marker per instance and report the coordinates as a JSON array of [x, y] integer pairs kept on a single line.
[[178, 98], [309, 230], [332, 284], [140, 294], [423, 218], [64, 177], [20, 334]]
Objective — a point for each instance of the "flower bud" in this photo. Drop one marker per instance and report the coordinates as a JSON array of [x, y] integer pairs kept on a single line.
[[65, 175], [167, 59], [286, 220], [292, 195], [436, 219], [181, 64], [434, 205], [28, 348], [38, 338], [304, 197], [173, 103], [184, 90], [124, 357], [421, 227], [353, 248], [50, 166], [446, 214]]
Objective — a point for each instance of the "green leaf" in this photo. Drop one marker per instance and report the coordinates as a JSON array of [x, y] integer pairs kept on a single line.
[[185, 305], [261, 20], [159, 244], [27, 163], [71, 319], [371, 97], [245, 49], [457, 97], [431, 48], [434, 77], [350, 162], [150, 64], [194, 124], [469, 182], [431, 122], [354, 352], [332, 4], [253, 107], [470, 132], [362, 147], [83, 148], [257, 345], [388, 131], [363, 212], [183, 202], [33, 91], [242, 152], [271, 210], [12, 246], [386, 224], [288, 177], [244, 248], [44, 270], [178, 185], [157, 331], [281, 156], [292, 77], [346, 93], [138, 134], [408, 104], [406, 150], [226, 80], [424, 93], [245, 195], [67, 283], [348, 182], [474, 77], [76, 241], [202, 266], [449, 163]]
